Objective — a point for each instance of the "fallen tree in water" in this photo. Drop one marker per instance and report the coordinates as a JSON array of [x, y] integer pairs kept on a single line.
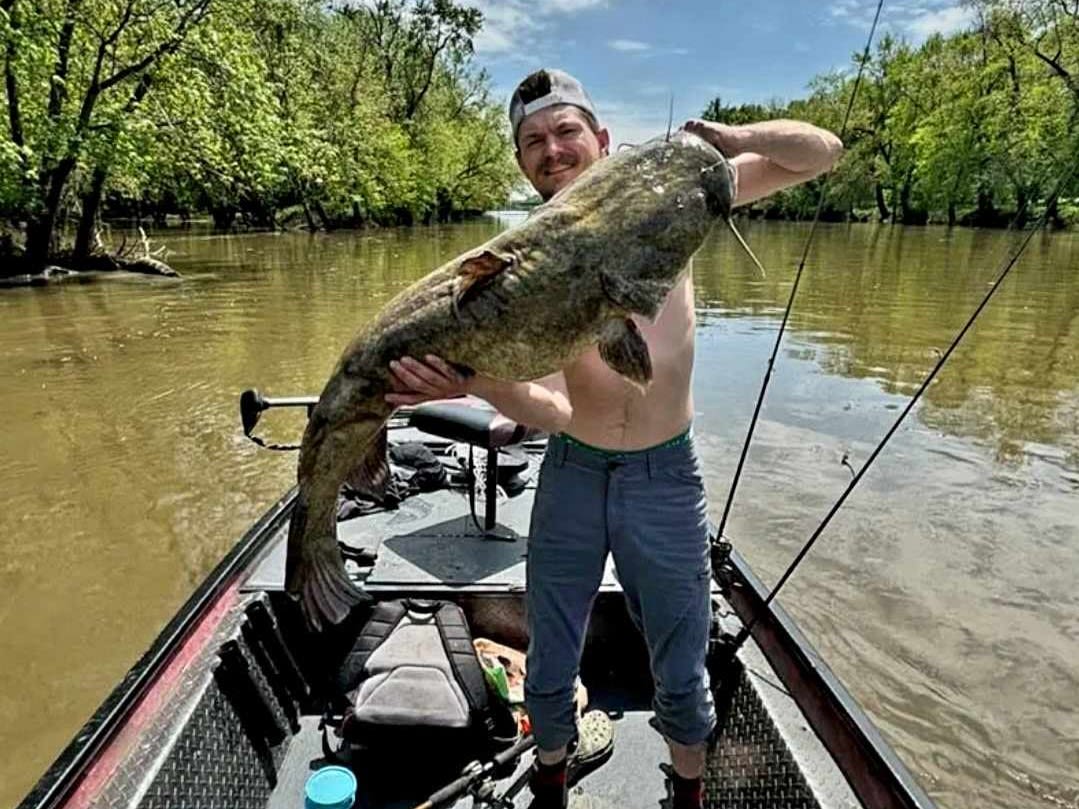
[[64, 265]]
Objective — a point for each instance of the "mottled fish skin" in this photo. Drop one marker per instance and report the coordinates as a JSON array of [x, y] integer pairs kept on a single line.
[[519, 307]]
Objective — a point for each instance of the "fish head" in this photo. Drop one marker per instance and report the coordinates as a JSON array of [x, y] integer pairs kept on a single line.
[[716, 176], [718, 183]]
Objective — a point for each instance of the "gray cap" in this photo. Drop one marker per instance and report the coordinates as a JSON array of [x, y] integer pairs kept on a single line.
[[546, 88]]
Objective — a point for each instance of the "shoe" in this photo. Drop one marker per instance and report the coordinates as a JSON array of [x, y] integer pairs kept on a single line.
[[595, 745], [593, 748]]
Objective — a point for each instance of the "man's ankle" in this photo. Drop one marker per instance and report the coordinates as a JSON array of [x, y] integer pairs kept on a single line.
[[548, 785], [688, 793]]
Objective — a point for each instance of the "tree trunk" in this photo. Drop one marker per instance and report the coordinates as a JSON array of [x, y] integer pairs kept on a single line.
[[1053, 217], [951, 213], [1022, 204], [223, 216], [986, 213], [311, 226], [327, 222], [882, 206], [904, 200], [91, 203], [40, 230]]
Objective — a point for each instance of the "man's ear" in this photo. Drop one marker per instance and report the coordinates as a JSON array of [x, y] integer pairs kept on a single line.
[[604, 138]]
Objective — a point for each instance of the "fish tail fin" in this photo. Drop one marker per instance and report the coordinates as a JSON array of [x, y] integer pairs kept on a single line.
[[749, 252], [315, 572]]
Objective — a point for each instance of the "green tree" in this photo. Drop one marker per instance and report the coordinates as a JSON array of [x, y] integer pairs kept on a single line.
[[73, 70]]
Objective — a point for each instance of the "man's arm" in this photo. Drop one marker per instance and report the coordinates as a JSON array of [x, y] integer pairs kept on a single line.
[[771, 155], [544, 403]]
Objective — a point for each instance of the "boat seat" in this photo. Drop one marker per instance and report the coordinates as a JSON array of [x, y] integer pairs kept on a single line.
[[474, 422], [477, 424]]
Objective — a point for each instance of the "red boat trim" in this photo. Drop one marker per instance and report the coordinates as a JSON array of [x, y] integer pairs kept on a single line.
[[159, 696], [67, 772]]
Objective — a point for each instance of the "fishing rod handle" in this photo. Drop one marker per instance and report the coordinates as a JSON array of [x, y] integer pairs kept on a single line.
[[477, 772]]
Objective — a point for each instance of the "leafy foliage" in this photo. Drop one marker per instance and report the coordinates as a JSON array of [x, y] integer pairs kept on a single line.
[[972, 128], [263, 109]]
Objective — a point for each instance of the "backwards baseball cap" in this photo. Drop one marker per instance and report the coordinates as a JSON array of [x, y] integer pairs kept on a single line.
[[543, 89]]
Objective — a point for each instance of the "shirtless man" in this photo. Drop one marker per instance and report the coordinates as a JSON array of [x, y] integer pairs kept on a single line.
[[620, 475]]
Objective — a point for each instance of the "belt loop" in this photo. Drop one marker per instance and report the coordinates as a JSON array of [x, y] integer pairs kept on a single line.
[[561, 450], [650, 462]]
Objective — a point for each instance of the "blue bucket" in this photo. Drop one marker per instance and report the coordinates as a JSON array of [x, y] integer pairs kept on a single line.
[[330, 788]]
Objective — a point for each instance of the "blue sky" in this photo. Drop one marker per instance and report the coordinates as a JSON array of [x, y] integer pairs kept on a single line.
[[631, 54]]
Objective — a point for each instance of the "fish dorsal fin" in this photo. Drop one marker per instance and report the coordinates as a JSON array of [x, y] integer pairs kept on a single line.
[[476, 273]]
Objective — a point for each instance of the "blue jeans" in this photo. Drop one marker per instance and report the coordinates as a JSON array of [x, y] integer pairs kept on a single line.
[[648, 510]]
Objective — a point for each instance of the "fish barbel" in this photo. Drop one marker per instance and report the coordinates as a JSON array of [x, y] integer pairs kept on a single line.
[[521, 306]]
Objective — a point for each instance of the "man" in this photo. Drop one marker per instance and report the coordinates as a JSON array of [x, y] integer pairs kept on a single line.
[[620, 475]]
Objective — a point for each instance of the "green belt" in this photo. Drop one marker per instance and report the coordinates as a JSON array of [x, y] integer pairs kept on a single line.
[[678, 440]]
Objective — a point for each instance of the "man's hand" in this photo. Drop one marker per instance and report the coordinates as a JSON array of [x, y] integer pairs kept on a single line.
[[434, 378], [728, 139], [770, 155]]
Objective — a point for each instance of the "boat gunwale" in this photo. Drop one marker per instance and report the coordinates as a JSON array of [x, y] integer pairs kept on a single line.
[[870, 764]]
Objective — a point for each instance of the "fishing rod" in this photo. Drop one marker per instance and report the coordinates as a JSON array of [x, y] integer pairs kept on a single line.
[[1064, 179], [794, 287]]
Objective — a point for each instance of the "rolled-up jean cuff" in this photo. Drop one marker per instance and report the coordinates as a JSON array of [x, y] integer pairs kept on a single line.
[[688, 735], [554, 718]]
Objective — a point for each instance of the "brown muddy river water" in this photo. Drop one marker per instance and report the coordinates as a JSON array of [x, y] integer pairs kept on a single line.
[[944, 594]]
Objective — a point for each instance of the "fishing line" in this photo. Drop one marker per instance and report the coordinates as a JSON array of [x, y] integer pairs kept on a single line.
[[794, 288], [996, 284]]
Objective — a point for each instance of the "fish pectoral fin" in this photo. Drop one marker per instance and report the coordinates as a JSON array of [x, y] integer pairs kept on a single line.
[[639, 297], [622, 347], [371, 476], [476, 273]]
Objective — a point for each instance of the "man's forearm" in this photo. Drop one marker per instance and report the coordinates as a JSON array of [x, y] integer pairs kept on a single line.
[[526, 402], [794, 145]]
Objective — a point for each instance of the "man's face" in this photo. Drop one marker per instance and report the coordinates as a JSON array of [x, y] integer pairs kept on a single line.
[[556, 144]]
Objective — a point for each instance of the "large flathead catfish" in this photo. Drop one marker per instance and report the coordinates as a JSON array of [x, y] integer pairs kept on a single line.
[[521, 306]]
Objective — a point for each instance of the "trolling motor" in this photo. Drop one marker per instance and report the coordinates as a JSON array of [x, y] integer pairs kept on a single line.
[[458, 420], [252, 405]]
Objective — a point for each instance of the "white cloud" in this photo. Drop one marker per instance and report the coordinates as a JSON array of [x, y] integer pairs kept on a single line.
[[628, 45], [567, 6], [916, 19], [509, 23], [943, 21], [504, 24], [842, 8]]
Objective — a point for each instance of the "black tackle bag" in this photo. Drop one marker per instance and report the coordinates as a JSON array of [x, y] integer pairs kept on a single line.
[[413, 685]]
